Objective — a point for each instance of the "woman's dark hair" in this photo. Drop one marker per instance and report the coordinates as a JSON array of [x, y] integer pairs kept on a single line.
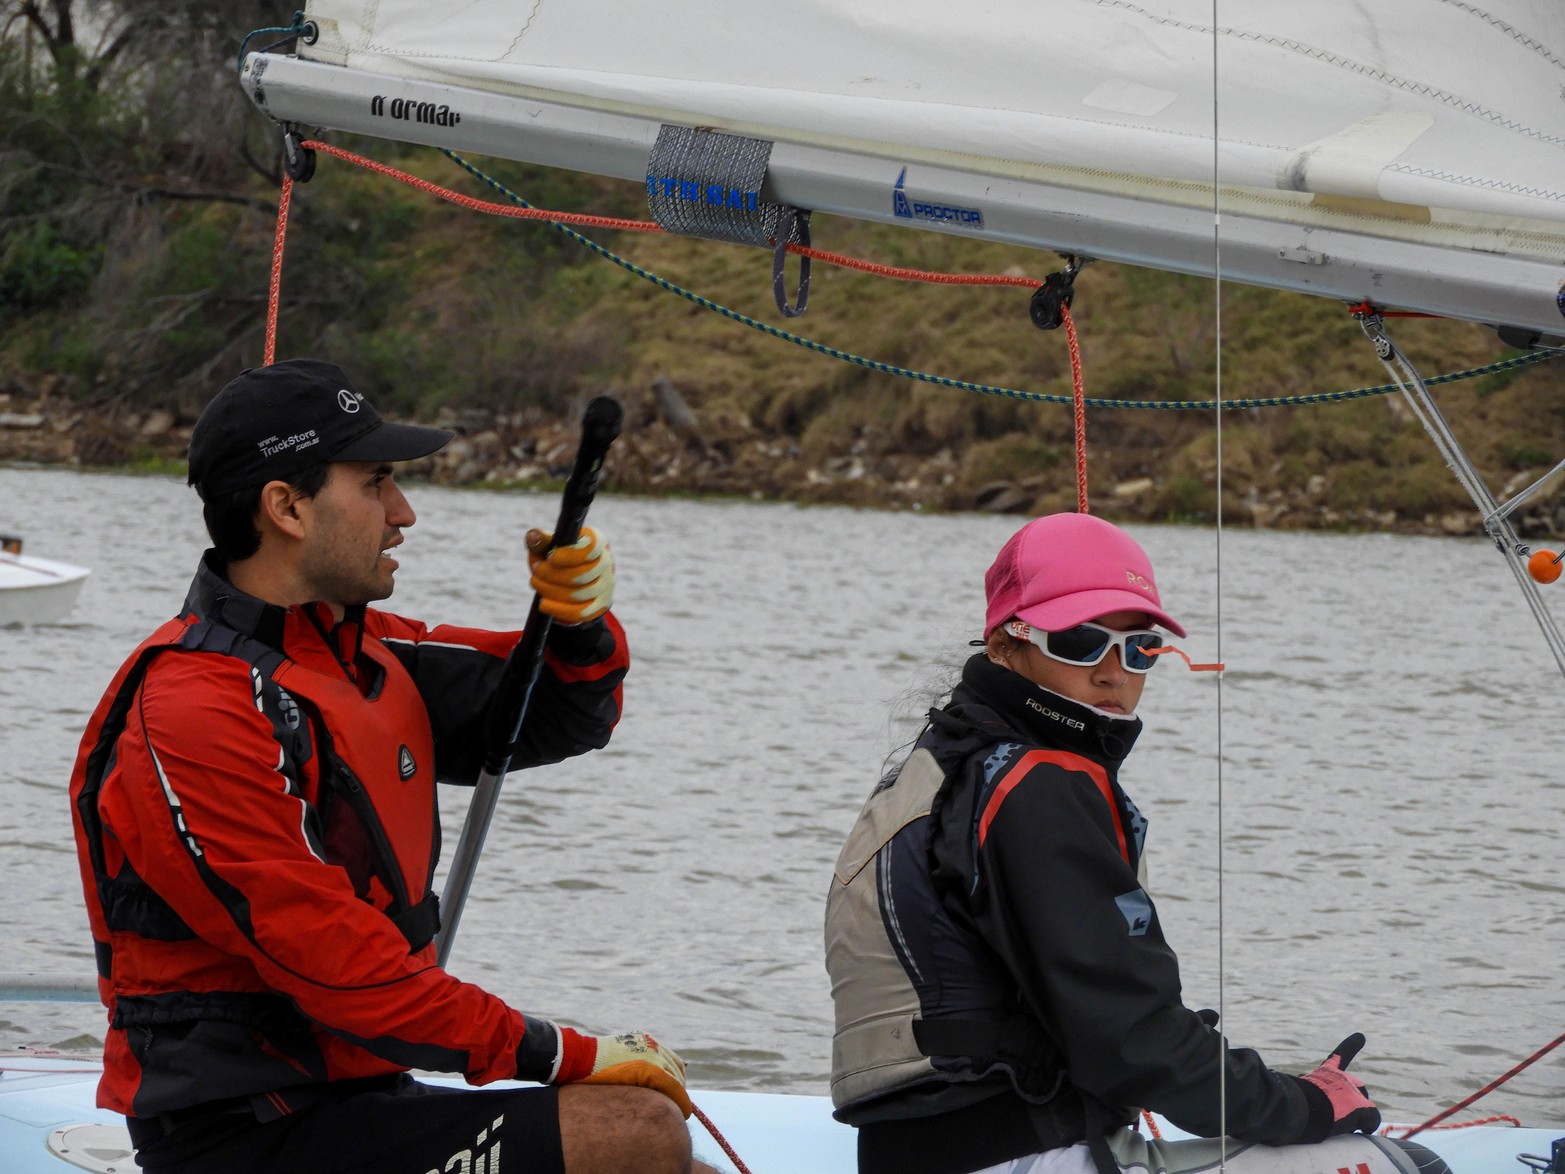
[[230, 517], [931, 691]]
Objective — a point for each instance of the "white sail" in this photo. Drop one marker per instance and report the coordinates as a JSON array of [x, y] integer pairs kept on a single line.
[[1410, 152]]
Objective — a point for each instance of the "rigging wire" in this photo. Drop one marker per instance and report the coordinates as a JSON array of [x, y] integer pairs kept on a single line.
[[561, 222], [593, 246], [300, 29], [1217, 418], [1496, 519]]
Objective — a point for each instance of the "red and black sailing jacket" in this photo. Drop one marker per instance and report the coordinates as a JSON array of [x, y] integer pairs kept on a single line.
[[256, 825]]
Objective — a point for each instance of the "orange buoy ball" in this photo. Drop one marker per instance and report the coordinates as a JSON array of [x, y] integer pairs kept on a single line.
[[1544, 566]]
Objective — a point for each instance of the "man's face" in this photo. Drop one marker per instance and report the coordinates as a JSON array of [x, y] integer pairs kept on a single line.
[[356, 517]]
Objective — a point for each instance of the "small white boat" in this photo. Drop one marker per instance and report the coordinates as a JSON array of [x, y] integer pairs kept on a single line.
[[35, 590]]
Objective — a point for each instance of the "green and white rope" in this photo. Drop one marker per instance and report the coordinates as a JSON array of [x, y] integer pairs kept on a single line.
[[1283, 401]]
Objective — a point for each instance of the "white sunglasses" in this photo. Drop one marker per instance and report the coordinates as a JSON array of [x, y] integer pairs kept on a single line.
[[1088, 644]]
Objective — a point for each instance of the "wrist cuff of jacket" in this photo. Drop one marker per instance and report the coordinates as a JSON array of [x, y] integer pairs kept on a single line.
[[541, 1051], [580, 644], [1318, 1128], [578, 1056]]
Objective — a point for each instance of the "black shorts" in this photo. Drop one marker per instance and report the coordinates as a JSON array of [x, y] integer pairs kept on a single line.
[[402, 1127]]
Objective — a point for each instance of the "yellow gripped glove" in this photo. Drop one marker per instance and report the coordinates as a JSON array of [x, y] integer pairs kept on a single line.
[[574, 583], [631, 1058]]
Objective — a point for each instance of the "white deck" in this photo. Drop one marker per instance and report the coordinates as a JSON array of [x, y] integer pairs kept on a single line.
[[43, 1094]]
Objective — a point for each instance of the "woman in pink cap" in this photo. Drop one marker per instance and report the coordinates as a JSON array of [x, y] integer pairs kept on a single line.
[[1005, 1000]]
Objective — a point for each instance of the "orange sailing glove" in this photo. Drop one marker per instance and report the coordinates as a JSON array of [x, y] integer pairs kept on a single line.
[[632, 1058], [574, 583]]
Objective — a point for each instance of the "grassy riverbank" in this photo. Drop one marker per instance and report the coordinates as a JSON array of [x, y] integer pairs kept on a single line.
[[501, 329], [136, 222]]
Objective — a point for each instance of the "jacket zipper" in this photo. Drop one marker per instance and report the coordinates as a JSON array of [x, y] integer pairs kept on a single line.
[[359, 799]]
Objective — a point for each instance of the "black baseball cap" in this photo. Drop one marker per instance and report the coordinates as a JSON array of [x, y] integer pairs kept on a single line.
[[273, 422]]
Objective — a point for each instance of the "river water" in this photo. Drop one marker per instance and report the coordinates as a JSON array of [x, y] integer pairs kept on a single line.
[[1357, 829]]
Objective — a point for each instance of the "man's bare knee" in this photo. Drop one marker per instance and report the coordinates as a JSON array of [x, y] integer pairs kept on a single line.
[[607, 1129]]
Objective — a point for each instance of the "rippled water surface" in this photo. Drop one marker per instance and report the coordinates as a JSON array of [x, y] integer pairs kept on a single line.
[[1358, 830]]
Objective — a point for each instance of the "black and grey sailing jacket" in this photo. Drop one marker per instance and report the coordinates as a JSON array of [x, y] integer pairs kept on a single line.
[[1000, 977]]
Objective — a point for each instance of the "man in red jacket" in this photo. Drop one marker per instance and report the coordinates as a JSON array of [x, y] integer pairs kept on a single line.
[[254, 806]]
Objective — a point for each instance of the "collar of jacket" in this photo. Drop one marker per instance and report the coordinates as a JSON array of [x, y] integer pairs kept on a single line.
[[1043, 715], [288, 629]]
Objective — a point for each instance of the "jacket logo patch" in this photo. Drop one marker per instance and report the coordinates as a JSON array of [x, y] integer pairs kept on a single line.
[[289, 709], [1136, 908], [406, 767]]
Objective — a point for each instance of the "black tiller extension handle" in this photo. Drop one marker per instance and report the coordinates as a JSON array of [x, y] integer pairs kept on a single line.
[[600, 424]]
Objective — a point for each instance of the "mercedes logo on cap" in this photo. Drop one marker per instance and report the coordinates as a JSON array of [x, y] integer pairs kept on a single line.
[[347, 401]]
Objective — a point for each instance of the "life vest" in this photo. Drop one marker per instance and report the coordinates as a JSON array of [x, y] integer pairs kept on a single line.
[[343, 751], [919, 999]]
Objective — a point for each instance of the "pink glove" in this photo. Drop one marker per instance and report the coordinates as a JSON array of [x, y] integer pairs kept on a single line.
[[1351, 1110]]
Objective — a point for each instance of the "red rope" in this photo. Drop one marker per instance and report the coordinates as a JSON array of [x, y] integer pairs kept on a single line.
[[1146, 1116], [879, 270], [721, 1140], [474, 205], [275, 288], [1078, 409], [580, 219], [1364, 308], [50, 1071], [585, 221], [1214, 667], [1385, 1131], [1488, 1088]]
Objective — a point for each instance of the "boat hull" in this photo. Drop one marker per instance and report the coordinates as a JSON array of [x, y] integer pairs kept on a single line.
[[46, 1100], [37, 590]]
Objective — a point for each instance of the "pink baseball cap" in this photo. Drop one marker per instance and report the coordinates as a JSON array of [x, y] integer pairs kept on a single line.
[[1065, 569]]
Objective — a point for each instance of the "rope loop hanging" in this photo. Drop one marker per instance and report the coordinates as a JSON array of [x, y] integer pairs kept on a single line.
[[797, 224]]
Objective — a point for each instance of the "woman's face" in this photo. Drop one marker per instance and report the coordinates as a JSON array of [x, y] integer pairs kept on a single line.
[[1105, 685]]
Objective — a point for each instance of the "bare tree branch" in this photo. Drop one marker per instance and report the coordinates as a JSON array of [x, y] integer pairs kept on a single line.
[[30, 13], [65, 27], [117, 46], [147, 190]]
